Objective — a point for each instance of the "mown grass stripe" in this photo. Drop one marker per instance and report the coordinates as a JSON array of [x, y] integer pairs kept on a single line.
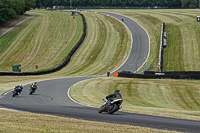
[[191, 92], [42, 41], [174, 33], [182, 97], [93, 59], [176, 21], [97, 47], [177, 98]]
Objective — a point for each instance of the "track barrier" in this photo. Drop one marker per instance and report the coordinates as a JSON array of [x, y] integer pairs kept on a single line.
[[162, 75]]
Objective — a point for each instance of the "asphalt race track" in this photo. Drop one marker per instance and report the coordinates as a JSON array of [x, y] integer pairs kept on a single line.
[[140, 44], [52, 97]]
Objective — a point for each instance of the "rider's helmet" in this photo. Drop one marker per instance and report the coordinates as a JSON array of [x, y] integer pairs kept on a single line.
[[20, 86], [117, 91], [34, 83]]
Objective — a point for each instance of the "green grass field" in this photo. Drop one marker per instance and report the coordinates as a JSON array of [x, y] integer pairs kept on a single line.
[[37, 123], [182, 53], [181, 26], [40, 41], [106, 46], [86, 61], [171, 98]]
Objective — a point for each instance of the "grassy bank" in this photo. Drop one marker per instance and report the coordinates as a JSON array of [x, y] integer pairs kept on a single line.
[[27, 122], [171, 98], [100, 51], [182, 53], [106, 47], [40, 41]]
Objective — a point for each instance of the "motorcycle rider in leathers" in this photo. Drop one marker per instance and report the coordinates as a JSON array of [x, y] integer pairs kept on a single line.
[[18, 88], [34, 85], [111, 97]]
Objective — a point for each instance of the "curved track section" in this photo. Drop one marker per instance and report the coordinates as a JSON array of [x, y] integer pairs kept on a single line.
[[140, 44], [51, 97]]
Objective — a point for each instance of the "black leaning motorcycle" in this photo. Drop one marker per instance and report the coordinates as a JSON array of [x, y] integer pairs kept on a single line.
[[110, 106], [32, 89]]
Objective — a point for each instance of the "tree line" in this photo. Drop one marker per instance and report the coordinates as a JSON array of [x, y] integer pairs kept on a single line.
[[120, 3], [11, 8]]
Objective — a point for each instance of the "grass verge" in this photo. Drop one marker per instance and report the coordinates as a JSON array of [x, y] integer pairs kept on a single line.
[[140, 95], [171, 98], [40, 41], [28, 122], [183, 36], [106, 46]]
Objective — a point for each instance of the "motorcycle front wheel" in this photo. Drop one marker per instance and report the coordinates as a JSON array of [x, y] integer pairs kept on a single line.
[[112, 110], [31, 92], [101, 109], [14, 93]]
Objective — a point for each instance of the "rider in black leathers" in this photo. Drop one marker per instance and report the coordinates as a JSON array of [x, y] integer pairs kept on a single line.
[[34, 85], [115, 95]]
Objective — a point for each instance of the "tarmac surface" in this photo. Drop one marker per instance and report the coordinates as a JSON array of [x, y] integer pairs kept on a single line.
[[52, 95]]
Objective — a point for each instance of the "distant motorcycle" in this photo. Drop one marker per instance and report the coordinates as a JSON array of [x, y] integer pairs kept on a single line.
[[32, 89], [16, 92], [110, 106]]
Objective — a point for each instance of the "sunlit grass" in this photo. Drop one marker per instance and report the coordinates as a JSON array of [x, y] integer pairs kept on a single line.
[[106, 47], [172, 98], [40, 41], [183, 36], [28, 122]]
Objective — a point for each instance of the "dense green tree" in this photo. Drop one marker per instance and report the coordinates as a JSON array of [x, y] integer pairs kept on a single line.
[[28, 4], [189, 3], [119, 3], [11, 8]]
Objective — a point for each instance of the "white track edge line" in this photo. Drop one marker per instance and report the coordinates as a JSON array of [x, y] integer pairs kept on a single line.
[[115, 70]]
